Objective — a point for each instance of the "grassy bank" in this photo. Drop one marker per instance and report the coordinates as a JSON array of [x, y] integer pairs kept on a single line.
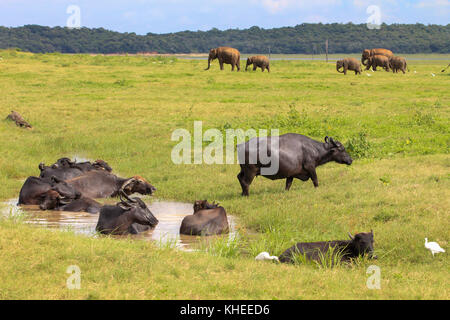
[[124, 110]]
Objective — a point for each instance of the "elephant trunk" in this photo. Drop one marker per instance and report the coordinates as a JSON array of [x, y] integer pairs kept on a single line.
[[363, 61], [338, 67], [209, 63]]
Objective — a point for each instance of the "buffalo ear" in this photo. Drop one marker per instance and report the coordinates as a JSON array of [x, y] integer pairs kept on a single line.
[[326, 139], [41, 166]]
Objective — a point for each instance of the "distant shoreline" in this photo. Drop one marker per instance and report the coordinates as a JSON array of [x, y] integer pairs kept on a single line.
[[278, 56]]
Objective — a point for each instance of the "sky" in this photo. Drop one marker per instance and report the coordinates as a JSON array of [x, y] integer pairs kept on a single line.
[[163, 16]]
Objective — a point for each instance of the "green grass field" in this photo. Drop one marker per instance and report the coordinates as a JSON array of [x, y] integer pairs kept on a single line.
[[124, 110]]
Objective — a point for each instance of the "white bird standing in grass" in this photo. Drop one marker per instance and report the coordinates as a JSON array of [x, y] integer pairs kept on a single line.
[[434, 247], [266, 256], [433, 75]]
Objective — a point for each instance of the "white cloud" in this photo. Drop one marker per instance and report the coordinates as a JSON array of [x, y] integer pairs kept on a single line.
[[275, 6], [433, 4]]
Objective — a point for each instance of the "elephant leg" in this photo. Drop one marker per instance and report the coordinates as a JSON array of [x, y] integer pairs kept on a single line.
[[345, 70], [221, 64], [232, 67], [263, 68], [254, 67], [268, 69], [289, 183], [238, 64]]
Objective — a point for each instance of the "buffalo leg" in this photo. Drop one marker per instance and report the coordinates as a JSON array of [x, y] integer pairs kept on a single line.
[[312, 173], [245, 179], [289, 183]]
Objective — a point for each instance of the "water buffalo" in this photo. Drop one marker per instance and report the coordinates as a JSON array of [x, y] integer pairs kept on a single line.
[[128, 216], [208, 219], [102, 184], [66, 169], [298, 157], [359, 245], [37, 191], [53, 202]]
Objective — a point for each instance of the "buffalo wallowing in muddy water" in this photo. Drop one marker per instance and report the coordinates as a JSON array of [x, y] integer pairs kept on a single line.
[[208, 219], [130, 216], [72, 186], [297, 156]]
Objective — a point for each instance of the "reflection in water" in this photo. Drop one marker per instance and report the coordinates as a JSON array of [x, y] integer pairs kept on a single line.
[[166, 233]]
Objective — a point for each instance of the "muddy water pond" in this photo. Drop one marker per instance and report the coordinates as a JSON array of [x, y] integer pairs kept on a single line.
[[166, 233]]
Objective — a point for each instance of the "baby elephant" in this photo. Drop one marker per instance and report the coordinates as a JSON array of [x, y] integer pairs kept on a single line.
[[397, 63], [348, 64], [258, 62], [208, 219]]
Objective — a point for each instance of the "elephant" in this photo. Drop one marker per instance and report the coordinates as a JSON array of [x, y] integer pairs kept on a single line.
[[348, 64], [379, 61], [258, 62], [397, 63], [372, 52], [225, 55]]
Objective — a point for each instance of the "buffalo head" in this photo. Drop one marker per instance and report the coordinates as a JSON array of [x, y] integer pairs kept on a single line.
[[138, 211], [139, 185], [338, 152], [64, 189], [363, 243], [50, 200]]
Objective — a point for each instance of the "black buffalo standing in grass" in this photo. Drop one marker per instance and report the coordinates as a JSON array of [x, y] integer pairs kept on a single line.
[[298, 158]]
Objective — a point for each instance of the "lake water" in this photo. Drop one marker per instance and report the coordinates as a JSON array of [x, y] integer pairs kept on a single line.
[[166, 233]]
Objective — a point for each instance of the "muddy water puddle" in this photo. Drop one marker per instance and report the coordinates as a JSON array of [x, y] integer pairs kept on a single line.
[[166, 233]]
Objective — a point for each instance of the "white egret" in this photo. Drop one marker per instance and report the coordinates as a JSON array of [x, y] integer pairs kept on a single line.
[[266, 256], [434, 247]]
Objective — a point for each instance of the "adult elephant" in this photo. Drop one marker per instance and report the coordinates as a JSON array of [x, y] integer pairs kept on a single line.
[[225, 55], [348, 64], [397, 63], [258, 62], [368, 53], [379, 61]]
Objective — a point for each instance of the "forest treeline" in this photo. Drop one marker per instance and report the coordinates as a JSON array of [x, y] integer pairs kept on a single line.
[[303, 38]]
